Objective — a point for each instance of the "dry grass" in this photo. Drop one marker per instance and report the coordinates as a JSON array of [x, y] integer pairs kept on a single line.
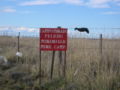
[[86, 70]]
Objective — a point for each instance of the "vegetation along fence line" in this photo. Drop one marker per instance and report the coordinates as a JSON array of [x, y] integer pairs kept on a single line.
[[93, 62]]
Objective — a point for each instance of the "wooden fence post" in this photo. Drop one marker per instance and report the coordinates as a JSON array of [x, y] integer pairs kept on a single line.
[[40, 80], [101, 44], [64, 70], [101, 52], [60, 63], [65, 66], [52, 65], [18, 44]]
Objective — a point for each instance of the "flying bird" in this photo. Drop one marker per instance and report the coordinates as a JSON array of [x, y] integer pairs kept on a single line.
[[82, 30]]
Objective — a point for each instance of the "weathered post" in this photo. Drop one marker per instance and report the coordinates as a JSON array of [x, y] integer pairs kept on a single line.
[[101, 57], [52, 65], [64, 70], [18, 41], [101, 44], [40, 80], [40, 59], [60, 63], [18, 44]]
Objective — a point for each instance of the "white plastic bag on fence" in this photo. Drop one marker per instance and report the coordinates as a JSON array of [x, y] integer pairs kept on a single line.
[[3, 60], [19, 54]]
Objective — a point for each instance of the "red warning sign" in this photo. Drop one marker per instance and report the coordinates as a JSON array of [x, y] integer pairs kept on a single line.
[[53, 39]]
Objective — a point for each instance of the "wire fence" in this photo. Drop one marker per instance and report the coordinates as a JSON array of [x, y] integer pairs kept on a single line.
[[94, 33], [81, 40]]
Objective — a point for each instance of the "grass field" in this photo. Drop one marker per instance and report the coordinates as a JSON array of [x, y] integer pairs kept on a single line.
[[87, 67]]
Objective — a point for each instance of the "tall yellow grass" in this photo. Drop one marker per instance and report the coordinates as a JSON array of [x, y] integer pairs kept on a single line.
[[86, 67]]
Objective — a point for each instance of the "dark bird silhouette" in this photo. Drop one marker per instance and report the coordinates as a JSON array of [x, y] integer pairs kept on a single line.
[[82, 30]]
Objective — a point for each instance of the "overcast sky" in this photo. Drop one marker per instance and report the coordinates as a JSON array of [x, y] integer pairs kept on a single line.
[[52, 13]]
